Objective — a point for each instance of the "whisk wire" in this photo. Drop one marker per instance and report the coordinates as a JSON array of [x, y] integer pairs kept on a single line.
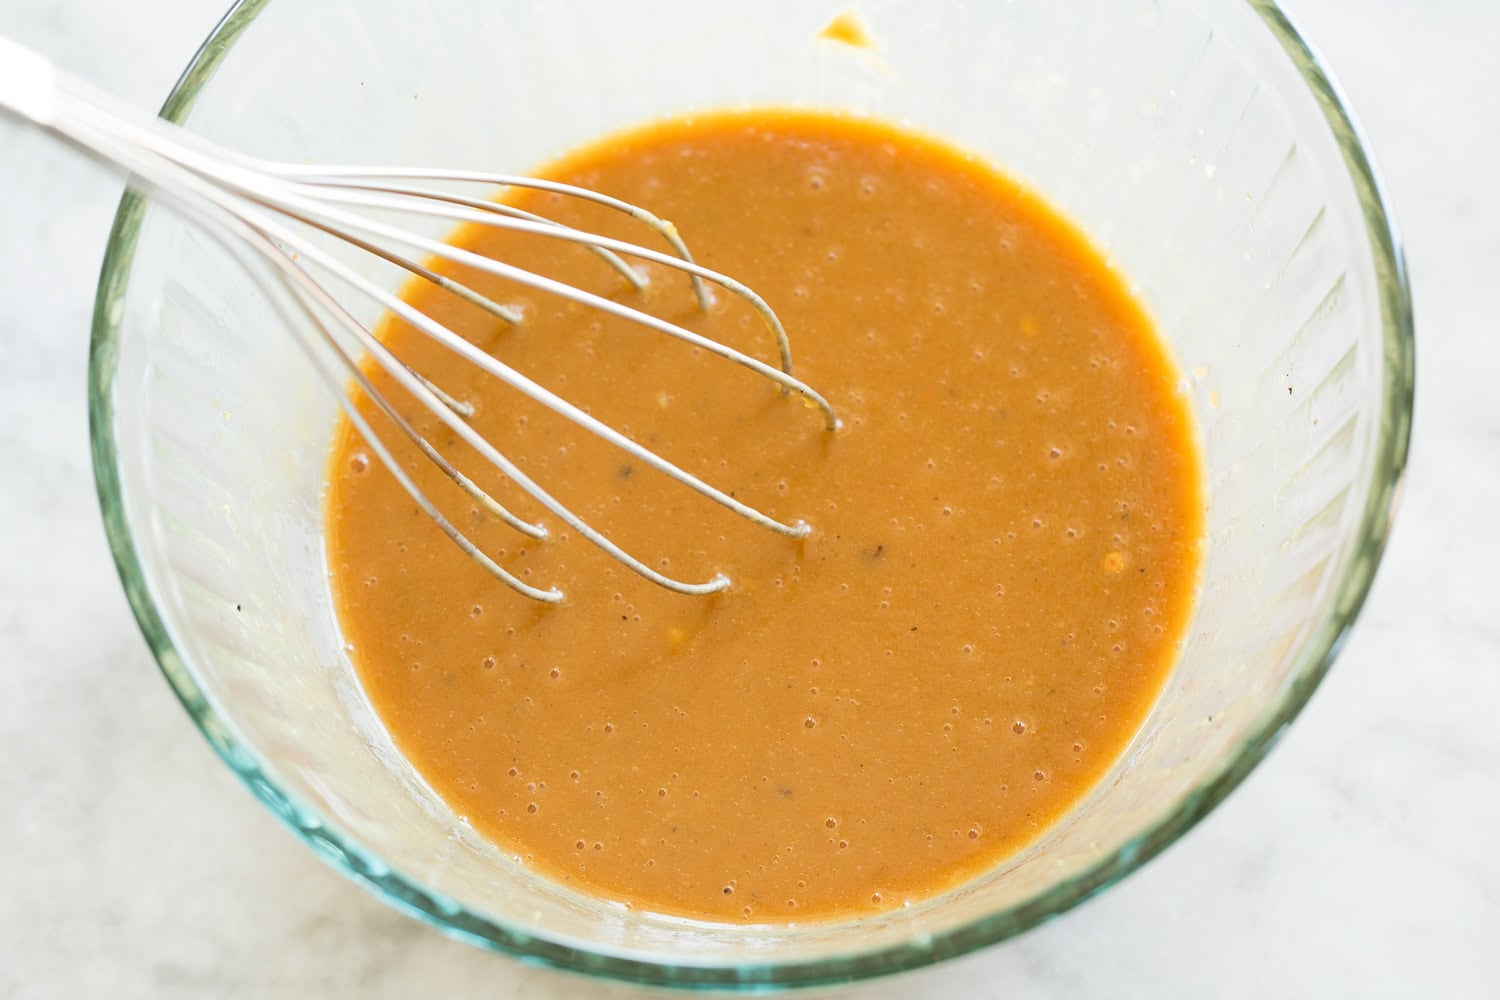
[[623, 269], [364, 176], [295, 200], [448, 338], [231, 195], [782, 376], [231, 213], [280, 240], [307, 294]]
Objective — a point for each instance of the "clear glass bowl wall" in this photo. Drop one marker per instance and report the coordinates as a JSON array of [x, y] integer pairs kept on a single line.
[[1196, 141]]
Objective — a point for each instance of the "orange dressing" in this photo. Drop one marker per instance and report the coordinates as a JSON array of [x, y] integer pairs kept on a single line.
[[1006, 533]]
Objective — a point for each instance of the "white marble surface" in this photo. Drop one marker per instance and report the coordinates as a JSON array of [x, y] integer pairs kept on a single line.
[[1362, 859]]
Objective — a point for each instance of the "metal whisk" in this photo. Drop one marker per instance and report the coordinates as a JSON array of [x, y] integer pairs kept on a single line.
[[264, 210]]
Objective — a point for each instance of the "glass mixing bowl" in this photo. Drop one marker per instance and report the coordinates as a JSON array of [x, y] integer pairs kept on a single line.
[[1198, 141]]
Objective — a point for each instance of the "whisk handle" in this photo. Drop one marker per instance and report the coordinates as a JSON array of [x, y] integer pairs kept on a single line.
[[28, 83]]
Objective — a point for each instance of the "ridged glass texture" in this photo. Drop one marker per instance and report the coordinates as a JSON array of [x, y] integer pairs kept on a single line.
[[1197, 141]]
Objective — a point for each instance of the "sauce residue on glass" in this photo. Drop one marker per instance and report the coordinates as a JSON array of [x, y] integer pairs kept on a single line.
[[848, 28]]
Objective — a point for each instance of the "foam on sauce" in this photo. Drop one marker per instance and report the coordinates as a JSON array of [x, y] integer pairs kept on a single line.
[[1007, 533]]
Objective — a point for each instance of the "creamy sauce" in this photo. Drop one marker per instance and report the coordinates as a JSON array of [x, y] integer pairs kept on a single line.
[[1007, 533]]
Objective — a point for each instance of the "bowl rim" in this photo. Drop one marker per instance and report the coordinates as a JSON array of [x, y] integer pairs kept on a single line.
[[350, 858]]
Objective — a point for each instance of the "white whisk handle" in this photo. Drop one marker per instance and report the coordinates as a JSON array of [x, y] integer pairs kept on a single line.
[[28, 83]]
